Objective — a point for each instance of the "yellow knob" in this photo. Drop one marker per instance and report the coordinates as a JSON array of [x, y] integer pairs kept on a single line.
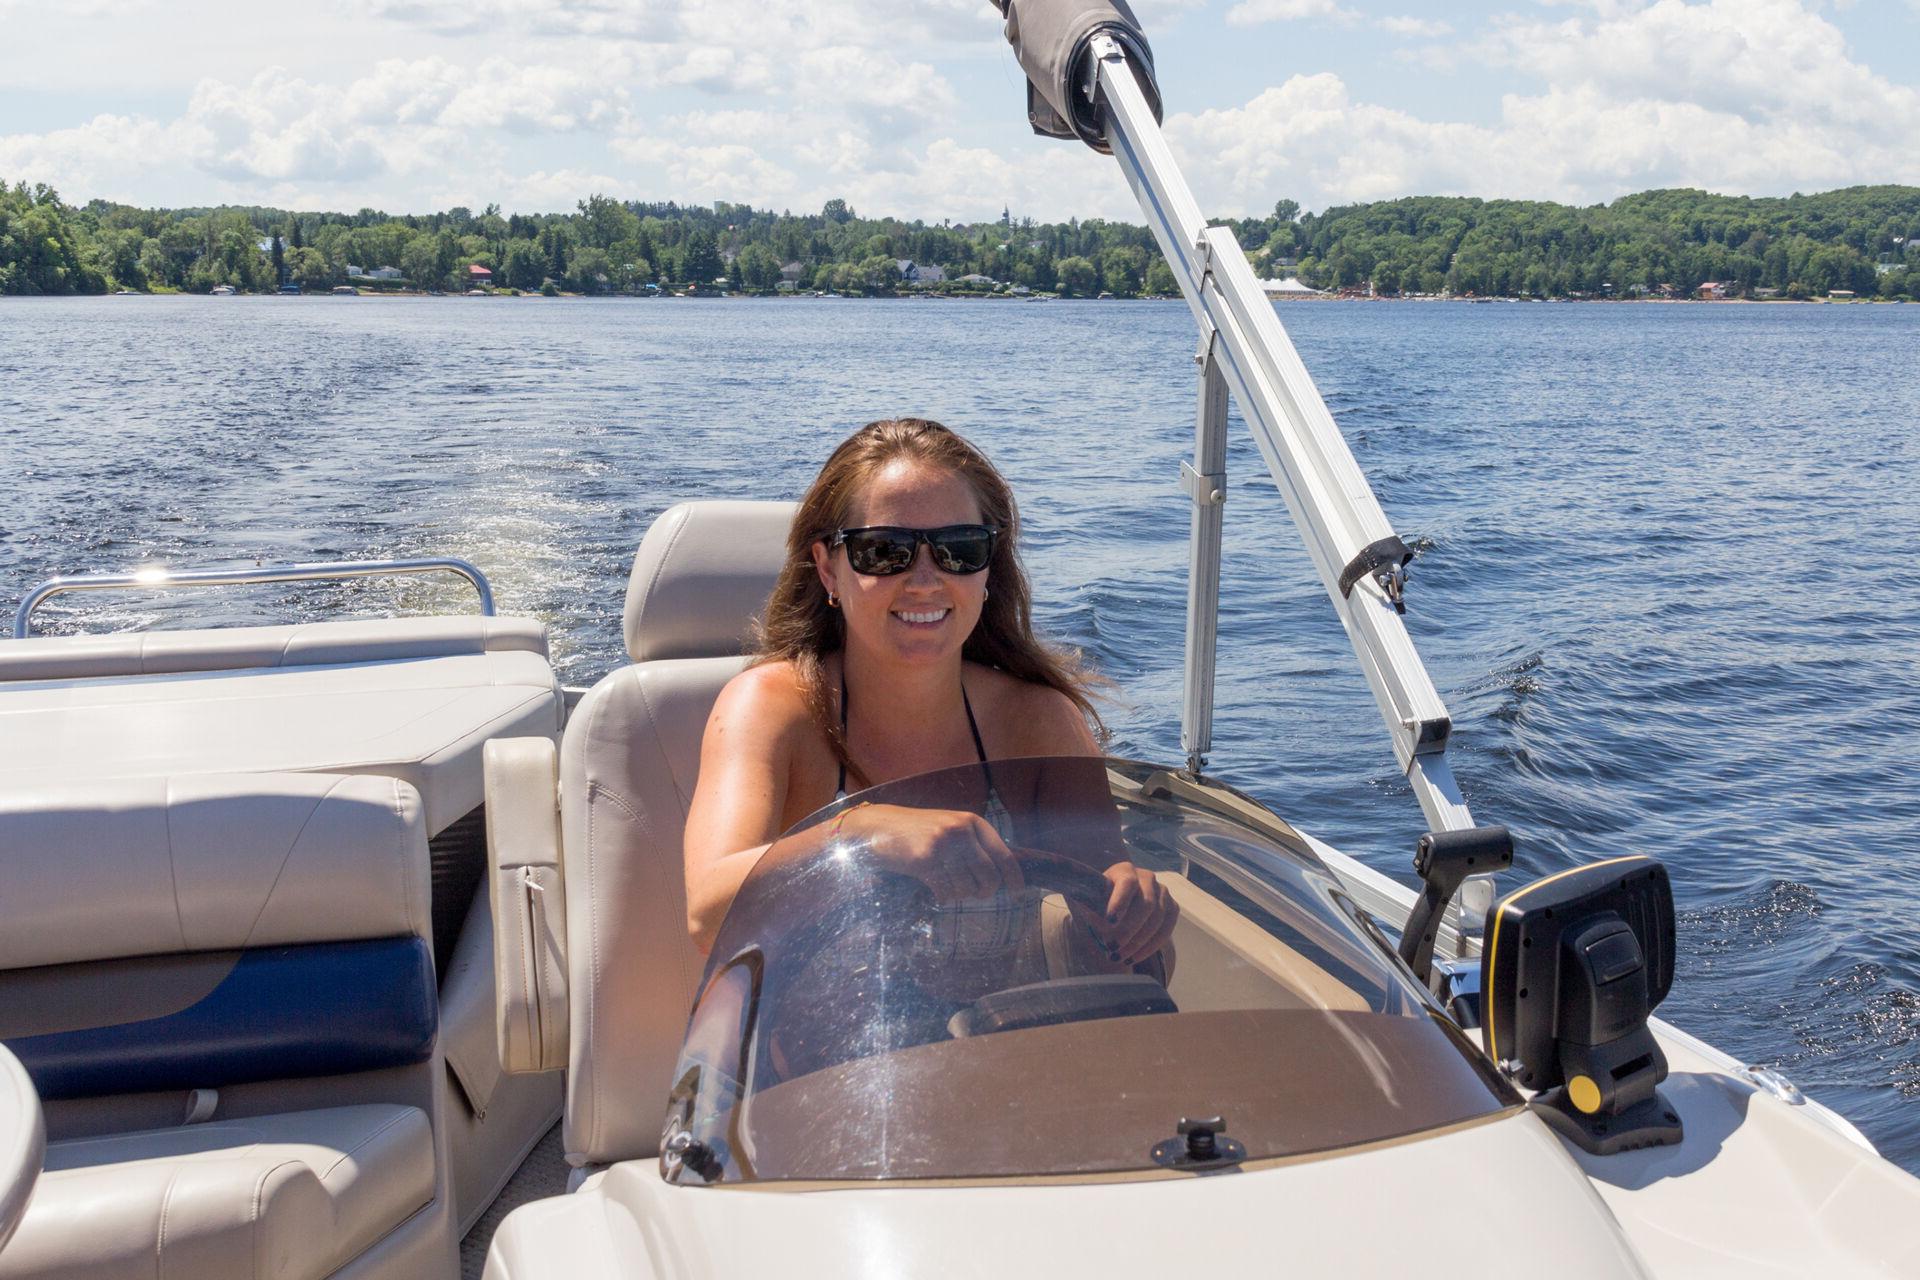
[[1584, 1094]]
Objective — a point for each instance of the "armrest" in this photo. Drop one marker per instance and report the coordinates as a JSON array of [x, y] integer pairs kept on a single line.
[[528, 896]]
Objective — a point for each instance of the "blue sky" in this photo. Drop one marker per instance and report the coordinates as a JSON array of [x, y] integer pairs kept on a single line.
[[914, 106]]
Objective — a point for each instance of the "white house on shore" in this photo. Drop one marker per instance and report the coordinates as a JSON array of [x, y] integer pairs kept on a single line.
[[917, 273]]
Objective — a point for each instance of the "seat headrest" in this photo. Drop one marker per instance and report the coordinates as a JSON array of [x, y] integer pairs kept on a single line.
[[702, 575]]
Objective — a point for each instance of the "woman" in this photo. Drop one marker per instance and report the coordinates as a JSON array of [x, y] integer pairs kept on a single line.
[[898, 640]]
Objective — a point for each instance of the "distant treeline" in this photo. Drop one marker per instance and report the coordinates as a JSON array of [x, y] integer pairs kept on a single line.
[[1660, 243]]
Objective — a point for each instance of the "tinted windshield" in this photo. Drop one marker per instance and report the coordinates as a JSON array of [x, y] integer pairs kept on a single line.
[[866, 1015]]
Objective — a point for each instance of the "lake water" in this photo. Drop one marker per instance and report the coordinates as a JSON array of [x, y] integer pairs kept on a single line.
[[1666, 585]]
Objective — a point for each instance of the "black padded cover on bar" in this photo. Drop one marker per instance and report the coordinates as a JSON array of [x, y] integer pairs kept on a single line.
[[1051, 40], [1389, 552]]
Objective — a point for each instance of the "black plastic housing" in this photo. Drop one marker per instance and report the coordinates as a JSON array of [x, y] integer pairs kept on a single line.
[[1520, 987], [1572, 967]]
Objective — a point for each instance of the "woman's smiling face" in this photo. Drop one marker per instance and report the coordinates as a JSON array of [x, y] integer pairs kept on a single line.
[[922, 615]]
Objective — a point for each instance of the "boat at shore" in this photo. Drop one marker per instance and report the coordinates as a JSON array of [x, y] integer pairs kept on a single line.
[[313, 931]]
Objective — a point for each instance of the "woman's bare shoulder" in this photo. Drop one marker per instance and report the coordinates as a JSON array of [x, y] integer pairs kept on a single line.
[[766, 698], [1029, 719]]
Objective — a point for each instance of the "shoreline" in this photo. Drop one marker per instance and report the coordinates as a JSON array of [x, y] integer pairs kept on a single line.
[[1035, 296]]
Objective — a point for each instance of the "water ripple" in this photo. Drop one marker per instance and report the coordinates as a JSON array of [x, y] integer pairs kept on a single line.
[[1660, 577]]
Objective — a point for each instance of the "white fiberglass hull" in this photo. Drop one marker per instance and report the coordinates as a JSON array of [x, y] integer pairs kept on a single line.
[[1374, 1212]]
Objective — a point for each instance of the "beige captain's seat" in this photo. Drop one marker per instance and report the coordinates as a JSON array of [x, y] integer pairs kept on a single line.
[[604, 988]]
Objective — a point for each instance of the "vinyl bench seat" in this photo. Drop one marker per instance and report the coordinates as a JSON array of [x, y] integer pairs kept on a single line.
[[292, 1196], [409, 698]]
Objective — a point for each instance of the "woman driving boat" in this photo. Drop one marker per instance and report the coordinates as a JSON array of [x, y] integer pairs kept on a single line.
[[899, 640]]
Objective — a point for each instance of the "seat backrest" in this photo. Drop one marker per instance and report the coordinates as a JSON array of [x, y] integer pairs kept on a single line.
[[628, 765], [162, 934]]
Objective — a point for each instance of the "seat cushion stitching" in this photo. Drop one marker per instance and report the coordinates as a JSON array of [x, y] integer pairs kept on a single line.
[[253, 1226], [592, 1002], [593, 948], [659, 745], [686, 979], [173, 866], [160, 1238], [400, 845], [364, 1143], [287, 858]]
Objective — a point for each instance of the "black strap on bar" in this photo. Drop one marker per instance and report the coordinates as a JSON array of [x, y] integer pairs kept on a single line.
[[1388, 553]]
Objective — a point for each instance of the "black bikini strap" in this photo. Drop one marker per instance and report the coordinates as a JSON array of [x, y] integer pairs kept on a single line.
[[974, 728], [993, 792]]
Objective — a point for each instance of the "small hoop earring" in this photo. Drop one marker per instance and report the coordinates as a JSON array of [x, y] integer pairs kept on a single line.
[[833, 601], [984, 593]]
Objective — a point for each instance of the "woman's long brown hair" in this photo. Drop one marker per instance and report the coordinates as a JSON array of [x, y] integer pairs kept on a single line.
[[801, 628]]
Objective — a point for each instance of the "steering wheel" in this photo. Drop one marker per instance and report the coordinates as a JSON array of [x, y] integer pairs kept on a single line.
[[1074, 881]]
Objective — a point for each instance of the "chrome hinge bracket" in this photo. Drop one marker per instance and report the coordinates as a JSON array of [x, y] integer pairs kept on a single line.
[[1207, 489]]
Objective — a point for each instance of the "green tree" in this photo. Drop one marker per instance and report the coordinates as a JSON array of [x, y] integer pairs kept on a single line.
[[153, 265], [525, 265], [1078, 277], [632, 267], [759, 268], [877, 274], [309, 269], [40, 250], [604, 222], [420, 260], [702, 261], [591, 270], [1160, 277], [1121, 269]]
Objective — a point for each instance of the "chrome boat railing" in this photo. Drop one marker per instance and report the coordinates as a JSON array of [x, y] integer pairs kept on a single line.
[[161, 579]]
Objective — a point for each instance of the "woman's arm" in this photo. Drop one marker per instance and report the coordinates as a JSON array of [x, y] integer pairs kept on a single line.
[[1140, 914], [742, 792]]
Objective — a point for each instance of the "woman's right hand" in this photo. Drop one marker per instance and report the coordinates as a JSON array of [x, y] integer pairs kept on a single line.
[[957, 855]]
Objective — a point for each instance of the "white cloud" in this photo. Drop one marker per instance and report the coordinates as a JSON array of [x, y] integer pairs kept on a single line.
[[92, 159], [785, 26], [700, 172], [1429, 28], [789, 102], [281, 133], [1310, 140], [1252, 12], [1760, 60], [1751, 96], [86, 9]]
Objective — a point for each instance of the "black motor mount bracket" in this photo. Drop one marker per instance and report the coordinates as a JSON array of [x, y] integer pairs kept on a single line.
[[1443, 860]]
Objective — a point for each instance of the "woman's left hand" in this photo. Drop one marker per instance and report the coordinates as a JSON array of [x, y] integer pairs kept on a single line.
[[1140, 914]]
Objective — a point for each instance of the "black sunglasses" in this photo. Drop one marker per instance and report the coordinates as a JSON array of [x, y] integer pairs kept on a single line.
[[881, 550]]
